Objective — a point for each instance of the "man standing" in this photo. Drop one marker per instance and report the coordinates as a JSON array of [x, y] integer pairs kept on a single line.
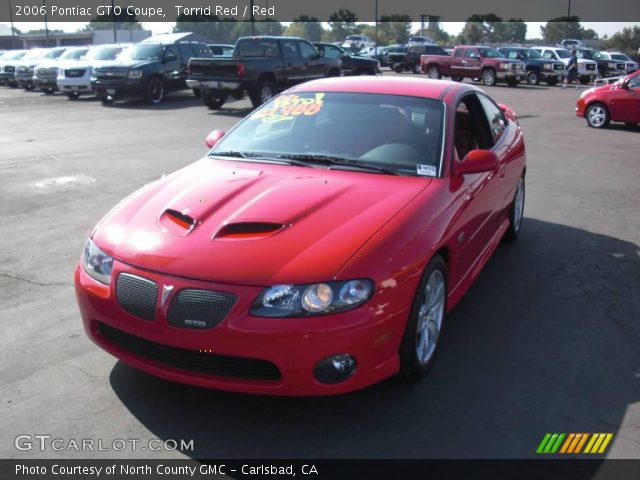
[[572, 70]]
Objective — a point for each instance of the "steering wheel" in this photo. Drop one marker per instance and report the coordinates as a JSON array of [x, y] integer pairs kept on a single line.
[[420, 146]]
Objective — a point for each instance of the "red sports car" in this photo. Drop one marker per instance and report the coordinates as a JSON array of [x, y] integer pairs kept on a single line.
[[616, 102], [317, 247]]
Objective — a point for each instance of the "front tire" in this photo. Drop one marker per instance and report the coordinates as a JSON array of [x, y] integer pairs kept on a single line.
[[264, 92], [72, 95], [197, 93], [533, 77], [457, 78], [434, 73], [597, 115], [213, 102], [552, 82], [416, 68], [154, 92], [516, 214], [489, 77], [424, 326]]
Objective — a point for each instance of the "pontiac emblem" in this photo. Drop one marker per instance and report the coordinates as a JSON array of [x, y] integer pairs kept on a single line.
[[166, 291]]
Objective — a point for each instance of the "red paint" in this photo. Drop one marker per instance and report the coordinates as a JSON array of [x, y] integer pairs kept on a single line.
[[622, 103], [338, 225]]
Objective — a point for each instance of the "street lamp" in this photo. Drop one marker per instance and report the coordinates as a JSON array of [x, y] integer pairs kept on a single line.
[[376, 34], [46, 26], [113, 18], [13, 32]]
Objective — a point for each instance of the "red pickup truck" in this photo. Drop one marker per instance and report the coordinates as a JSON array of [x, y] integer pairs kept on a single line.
[[485, 63]]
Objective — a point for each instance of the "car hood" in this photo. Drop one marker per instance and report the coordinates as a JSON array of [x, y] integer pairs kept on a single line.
[[253, 224], [128, 64]]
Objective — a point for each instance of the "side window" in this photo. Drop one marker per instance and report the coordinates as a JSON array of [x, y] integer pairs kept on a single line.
[[186, 52], [471, 130], [290, 49], [171, 54], [548, 54], [332, 52], [635, 82], [307, 50], [494, 115], [472, 54], [459, 53], [513, 54]]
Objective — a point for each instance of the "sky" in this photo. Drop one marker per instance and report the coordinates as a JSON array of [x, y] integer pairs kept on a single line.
[[533, 28]]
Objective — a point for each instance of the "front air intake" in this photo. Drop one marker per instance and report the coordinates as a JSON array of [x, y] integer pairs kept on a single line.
[[248, 230]]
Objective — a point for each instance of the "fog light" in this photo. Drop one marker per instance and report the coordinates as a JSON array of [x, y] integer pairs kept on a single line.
[[335, 369]]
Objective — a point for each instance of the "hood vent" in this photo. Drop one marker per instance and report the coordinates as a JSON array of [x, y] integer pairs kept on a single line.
[[248, 230], [177, 222]]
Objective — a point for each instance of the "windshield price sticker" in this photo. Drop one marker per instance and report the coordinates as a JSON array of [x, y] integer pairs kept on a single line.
[[288, 107], [428, 170]]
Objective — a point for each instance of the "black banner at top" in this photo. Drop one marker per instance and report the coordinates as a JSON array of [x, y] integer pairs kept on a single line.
[[287, 10]]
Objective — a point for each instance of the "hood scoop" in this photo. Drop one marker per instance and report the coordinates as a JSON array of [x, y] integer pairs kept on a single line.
[[177, 222], [247, 230]]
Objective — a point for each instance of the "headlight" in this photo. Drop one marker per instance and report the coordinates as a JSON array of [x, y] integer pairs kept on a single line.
[[505, 66], [96, 263], [612, 66], [314, 299], [547, 66], [134, 74]]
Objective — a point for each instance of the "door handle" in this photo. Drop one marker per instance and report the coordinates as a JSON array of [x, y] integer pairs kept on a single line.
[[503, 171]]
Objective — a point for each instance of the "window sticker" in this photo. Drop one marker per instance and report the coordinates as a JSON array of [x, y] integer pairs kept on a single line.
[[428, 170], [287, 107]]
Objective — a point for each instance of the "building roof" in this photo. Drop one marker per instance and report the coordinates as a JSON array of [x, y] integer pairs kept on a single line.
[[5, 30]]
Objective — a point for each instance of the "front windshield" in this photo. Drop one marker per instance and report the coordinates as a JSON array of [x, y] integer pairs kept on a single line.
[[532, 54], [616, 56], [31, 54], [13, 55], [103, 53], [490, 53], [52, 54], [75, 54], [401, 135], [563, 53], [142, 52], [584, 54]]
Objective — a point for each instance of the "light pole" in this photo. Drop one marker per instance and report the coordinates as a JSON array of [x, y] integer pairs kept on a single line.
[[113, 18], [46, 26], [253, 27], [13, 32], [376, 34], [569, 10]]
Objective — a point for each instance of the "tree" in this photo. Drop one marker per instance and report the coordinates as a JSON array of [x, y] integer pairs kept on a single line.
[[210, 26], [490, 28], [261, 27], [123, 21], [312, 27], [438, 35], [560, 28], [514, 30], [627, 40], [43, 30], [395, 27], [342, 23]]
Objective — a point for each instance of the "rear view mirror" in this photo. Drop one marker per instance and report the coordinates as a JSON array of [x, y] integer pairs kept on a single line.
[[477, 161], [214, 137]]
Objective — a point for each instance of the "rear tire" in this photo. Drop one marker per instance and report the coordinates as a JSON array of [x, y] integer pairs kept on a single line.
[[552, 82], [584, 80], [424, 326], [262, 93], [434, 73], [398, 68], [72, 96], [48, 91], [213, 102], [456, 78], [197, 93]]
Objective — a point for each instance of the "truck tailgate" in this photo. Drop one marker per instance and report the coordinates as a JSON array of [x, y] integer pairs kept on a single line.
[[213, 68]]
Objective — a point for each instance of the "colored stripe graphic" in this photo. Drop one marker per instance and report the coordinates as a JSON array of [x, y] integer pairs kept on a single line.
[[573, 443]]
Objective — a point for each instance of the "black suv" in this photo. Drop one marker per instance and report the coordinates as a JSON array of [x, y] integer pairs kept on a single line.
[[147, 70], [414, 53]]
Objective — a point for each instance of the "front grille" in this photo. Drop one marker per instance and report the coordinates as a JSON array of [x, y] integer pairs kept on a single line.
[[517, 67], [46, 72], [24, 71], [619, 66], [590, 66], [9, 68], [558, 66], [199, 308], [137, 296], [192, 360], [111, 75], [74, 72]]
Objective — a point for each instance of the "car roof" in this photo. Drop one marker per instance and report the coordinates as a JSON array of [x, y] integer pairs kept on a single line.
[[413, 87]]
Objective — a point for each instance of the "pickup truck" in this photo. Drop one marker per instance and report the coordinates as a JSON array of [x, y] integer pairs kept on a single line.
[[260, 66], [485, 63], [537, 69]]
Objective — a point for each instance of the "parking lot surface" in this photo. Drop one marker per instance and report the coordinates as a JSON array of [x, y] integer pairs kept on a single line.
[[547, 340]]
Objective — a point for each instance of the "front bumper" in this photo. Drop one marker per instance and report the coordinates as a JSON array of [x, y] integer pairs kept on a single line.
[[45, 83], [371, 333], [24, 80], [74, 85], [8, 77], [508, 75], [580, 107], [118, 90]]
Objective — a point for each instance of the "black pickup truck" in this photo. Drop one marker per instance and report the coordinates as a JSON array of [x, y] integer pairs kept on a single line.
[[260, 66]]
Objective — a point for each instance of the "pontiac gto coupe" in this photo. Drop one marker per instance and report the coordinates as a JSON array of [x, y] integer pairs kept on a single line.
[[318, 246]]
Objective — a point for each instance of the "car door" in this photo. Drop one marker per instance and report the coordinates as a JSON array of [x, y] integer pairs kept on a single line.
[[479, 193], [292, 62], [625, 102], [331, 51], [458, 62], [172, 70], [313, 64]]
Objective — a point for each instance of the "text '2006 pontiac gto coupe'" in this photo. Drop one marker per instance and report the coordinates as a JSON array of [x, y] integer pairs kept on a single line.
[[318, 246]]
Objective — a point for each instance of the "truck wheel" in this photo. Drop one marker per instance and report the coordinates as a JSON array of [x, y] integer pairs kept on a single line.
[[334, 73], [489, 77], [533, 77], [72, 95], [456, 78], [552, 81], [434, 73], [48, 91], [154, 91], [262, 93], [197, 93], [513, 82], [397, 68], [416, 68], [585, 80], [213, 102]]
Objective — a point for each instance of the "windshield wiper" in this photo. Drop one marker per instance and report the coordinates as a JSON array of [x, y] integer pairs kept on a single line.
[[258, 157], [337, 161]]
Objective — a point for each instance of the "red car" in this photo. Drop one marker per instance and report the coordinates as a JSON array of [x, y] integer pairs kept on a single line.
[[616, 102], [318, 246]]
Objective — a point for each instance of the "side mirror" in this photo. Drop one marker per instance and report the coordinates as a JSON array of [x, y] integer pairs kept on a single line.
[[477, 161], [214, 137]]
